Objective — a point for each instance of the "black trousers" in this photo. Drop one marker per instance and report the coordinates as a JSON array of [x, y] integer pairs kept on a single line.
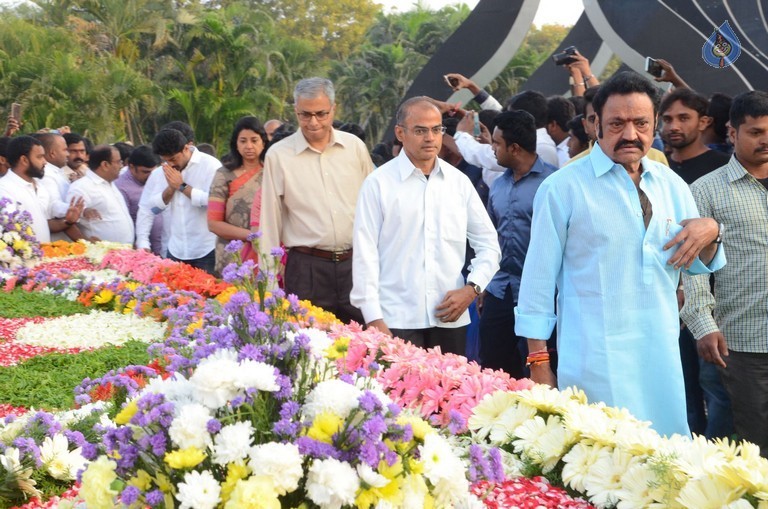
[[500, 348], [746, 379], [206, 263], [449, 340], [323, 282]]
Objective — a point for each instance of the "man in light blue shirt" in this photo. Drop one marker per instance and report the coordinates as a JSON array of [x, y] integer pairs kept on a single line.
[[610, 233]]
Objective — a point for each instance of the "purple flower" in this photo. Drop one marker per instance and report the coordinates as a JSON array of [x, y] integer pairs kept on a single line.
[[316, 449], [497, 466], [369, 402], [154, 498], [253, 236], [213, 426], [130, 495], [457, 422], [277, 252], [234, 247]]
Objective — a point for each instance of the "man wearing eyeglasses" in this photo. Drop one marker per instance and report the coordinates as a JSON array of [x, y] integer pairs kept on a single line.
[[309, 192], [413, 219], [609, 235]]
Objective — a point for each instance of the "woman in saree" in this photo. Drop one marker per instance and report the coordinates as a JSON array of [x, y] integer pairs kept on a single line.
[[236, 189]]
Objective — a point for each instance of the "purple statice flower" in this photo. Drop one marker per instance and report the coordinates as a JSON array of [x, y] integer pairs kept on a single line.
[[252, 352], [457, 423], [286, 387], [75, 437], [237, 301], [154, 498], [159, 443], [130, 495], [316, 449], [270, 302], [293, 301], [213, 426], [28, 449], [277, 252], [90, 451], [478, 465], [346, 377], [234, 247], [496, 472], [253, 236], [369, 402], [43, 423]]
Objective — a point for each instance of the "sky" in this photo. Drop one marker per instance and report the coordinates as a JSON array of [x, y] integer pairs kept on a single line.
[[563, 12]]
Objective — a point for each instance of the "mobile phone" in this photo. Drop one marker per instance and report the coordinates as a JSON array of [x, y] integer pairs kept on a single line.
[[452, 82], [653, 67], [16, 111], [477, 130]]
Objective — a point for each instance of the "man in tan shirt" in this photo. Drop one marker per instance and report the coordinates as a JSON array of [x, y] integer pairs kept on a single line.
[[309, 193]]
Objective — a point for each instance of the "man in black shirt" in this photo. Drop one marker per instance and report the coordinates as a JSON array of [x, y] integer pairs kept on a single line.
[[684, 119]]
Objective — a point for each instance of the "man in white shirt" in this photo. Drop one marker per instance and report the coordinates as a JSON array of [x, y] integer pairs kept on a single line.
[[21, 184], [559, 111], [413, 218], [181, 185], [98, 191]]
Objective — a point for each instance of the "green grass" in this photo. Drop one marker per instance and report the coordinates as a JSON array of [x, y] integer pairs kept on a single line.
[[48, 381], [20, 303]]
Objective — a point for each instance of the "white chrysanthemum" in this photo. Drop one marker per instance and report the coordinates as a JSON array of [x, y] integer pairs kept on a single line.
[[281, 462], [232, 442], [503, 431], [333, 396], [215, 378], [175, 388], [189, 427], [639, 487], [369, 477], [709, 493], [60, 462], [544, 442], [591, 422], [319, 341], [200, 490], [578, 462], [332, 483], [258, 375], [603, 482], [486, 414], [372, 385], [440, 462], [92, 330]]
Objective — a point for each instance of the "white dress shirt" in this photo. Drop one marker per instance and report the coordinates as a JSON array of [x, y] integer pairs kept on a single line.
[[115, 224], [31, 197], [187, 218], [409, 238], [562, 152]]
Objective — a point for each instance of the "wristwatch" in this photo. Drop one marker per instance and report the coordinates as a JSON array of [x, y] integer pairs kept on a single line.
[[719, 239], [475, 287], [183, 186]]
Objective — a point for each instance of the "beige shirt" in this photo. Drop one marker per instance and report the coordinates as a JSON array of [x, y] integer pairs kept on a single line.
[[309, 197]]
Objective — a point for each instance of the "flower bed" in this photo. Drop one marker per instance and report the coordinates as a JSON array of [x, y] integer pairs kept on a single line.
[[253, 396]]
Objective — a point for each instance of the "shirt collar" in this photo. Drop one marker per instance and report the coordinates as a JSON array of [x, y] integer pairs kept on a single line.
[[602, 164], [194, 158], [89, 173], [14, 179], [735, 170], [406, 168], [301, 143]]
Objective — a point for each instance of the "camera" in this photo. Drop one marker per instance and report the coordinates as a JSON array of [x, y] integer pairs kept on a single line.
[[565, 57], [452, 82]]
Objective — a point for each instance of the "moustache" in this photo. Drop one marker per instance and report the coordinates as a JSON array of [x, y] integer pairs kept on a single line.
[[629, 143], [761, 149]]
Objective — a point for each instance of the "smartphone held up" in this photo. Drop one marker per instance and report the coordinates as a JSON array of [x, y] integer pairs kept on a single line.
[[653, 67], [16, 111]]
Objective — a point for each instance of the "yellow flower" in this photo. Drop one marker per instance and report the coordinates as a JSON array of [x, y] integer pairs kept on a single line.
[[338, 349], [324, 426], [185, 458], [96, 488], [104, 296], [227, 294], [420, 427], [142, 480], [29, 231], [235, 471], [20, 245], [127, 413], [258, 492], [130, 306], [17, 226], [163, 483], [192, 327], [3, 245]]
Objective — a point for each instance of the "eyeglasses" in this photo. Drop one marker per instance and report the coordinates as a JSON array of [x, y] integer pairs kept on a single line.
[[308, 115], [422, 131]]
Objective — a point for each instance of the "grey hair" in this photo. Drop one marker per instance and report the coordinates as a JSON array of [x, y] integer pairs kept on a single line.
[[405, 107], [310, 88]]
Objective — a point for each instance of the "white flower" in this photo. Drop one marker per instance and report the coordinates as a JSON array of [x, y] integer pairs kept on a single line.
[[215, 378], [439, 460], [319, 341], [258, 375], [639, 487], [60, 462], [189, 427], [578, 462], [509, 420], [487, 413], [175, 388], [92, 330], [544, 442], [603, 482], [590, 422], [370, 477], [232, 442], [333, 396], [198, 491], [281, 462], [332, 483], [709, 493], [415, 491]]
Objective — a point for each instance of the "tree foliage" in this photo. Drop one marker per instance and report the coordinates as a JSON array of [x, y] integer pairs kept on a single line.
[[118, 69]]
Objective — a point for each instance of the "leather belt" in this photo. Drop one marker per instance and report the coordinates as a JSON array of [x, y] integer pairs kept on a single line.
[[334, 256]]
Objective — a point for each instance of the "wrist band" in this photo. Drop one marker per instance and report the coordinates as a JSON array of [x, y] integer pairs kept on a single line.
[[536, 358]]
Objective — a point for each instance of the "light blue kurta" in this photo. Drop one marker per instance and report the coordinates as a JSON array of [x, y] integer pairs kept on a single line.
[[617, 318]]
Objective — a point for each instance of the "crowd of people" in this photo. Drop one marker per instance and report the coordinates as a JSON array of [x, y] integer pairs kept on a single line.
[[558, 238]]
